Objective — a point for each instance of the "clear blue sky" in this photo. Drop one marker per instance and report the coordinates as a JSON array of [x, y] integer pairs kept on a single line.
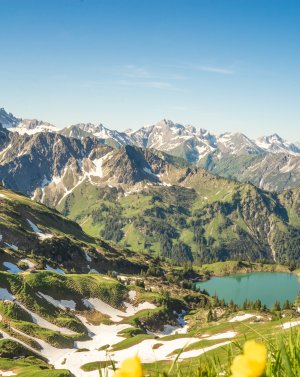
[[224, 65]]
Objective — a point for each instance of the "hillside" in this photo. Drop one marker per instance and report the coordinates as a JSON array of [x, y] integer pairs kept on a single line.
[[77, 323], [185, 214], [34, 236], [269, 171]]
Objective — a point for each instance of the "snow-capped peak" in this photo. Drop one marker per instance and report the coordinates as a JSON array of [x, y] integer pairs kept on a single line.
[[8, 119], [97, 130], [275, 144], [33, 126]]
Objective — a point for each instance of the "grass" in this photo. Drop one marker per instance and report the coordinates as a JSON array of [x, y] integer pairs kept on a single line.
[[14, 317], [43, 217], [283, 359], [69, 287], [72, 286], [129, 342], [10, 348], [89, 367], [54, 338], [233, 267], [5, 327], [96, 318], [221, 206], [32, 367]]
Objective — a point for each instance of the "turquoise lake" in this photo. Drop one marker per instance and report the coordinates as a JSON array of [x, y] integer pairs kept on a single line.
[[266, 286]]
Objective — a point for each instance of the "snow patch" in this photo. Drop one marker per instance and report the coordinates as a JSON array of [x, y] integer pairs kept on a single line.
[[57, 270], [87, 257], [116, 315], [240, 318], [132, 295], [224, 335], [28, 262], [45, 182], [38, 231], [34, 227], [196, 353], [12, 268], [44, 323], [4, 197], [148, 171], [5, 295], [62, 304], [93, 271], [289, 325], [7, 373], [11, 246]]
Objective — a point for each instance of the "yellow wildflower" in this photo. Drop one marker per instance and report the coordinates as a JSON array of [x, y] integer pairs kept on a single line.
[[131, 367], [252, 362]]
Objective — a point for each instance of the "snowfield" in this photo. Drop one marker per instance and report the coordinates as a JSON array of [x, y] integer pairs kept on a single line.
[[7, 373], [116, 315], [289, 325], [243, 317], [63, 304], [150, 350]]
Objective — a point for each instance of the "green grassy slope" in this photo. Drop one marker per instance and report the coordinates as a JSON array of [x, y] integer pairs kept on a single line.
[[202, 218], [59, 243]]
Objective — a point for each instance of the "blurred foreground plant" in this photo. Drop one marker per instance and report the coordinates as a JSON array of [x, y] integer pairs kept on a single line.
[[283, 361], [252, 363]]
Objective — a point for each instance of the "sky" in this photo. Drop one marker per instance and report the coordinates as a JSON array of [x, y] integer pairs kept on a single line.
[[223, 65]]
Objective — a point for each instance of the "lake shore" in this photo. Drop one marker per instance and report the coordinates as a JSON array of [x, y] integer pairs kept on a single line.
[[228, 268]]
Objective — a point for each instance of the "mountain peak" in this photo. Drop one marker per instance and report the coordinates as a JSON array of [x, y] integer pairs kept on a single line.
[[164, 123], [8, 119], [276, 144], [274, 138], [33, 126]]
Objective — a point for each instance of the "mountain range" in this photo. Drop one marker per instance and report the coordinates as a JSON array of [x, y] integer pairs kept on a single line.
[[269, 162], [102, 235], [150, 201]]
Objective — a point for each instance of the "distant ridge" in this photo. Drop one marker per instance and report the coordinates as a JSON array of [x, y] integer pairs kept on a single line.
[[269, 162]]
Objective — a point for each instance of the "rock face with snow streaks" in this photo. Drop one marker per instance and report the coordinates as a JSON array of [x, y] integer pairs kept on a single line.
[[232, 155]]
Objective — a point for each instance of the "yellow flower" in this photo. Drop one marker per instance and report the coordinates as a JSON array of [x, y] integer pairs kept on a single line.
[[131, 367], [252, 362]]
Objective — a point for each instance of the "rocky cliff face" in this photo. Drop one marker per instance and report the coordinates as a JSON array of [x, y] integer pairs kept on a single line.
[[164, 202], [269, 162], [33, 161], [8, 119], [272, 172]]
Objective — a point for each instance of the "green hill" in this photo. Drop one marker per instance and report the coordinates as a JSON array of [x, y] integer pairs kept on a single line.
[[35, 236], [194, 216]]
